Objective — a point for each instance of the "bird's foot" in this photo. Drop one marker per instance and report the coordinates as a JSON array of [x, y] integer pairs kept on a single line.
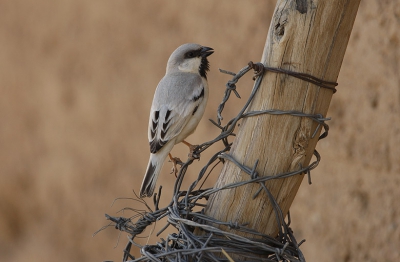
[[192, 148], [192, 154], [175, 161]]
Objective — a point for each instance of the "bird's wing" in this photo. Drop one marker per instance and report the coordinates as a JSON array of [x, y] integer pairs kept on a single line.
[[176, 99]]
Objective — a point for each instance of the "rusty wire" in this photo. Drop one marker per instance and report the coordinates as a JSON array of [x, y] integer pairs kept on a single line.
[[184, 245]]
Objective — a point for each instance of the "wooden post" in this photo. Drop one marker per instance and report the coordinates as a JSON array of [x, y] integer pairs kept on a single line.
[[304, 36]]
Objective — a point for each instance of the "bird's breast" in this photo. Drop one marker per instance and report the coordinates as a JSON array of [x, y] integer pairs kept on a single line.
[[196, 117]]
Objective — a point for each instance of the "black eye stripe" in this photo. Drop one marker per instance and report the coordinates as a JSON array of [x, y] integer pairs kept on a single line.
[[193, 53]]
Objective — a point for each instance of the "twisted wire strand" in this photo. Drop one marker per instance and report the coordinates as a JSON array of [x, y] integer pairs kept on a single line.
[[187, 246]]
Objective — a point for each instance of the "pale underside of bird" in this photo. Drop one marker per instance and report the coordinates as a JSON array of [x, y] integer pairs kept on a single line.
[[178, 106]]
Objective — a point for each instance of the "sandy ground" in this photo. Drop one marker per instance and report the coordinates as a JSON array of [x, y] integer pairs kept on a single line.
[[77, 79]]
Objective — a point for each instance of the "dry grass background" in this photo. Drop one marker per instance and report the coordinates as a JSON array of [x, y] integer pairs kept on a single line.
[[77, 80]]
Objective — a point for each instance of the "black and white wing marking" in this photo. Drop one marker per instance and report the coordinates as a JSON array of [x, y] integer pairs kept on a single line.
[[158, 130], [168, 118]]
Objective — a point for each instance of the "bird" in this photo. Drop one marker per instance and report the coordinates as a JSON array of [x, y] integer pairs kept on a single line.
[[178, 105]]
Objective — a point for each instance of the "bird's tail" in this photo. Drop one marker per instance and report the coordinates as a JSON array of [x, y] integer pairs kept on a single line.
[[154, 166]]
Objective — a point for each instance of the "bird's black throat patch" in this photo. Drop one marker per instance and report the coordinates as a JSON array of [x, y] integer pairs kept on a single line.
[[204, 67]]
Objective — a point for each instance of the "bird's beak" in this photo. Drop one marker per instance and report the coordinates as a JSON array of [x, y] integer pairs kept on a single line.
[[206, 51]]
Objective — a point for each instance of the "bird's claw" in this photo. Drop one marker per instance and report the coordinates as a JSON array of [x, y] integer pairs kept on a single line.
[[192, 154], [175, 161]]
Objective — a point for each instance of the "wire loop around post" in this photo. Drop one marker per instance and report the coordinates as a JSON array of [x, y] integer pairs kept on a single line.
[[185, 211]]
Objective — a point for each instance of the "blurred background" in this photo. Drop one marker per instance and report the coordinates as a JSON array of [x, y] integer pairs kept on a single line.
[[77, 79]]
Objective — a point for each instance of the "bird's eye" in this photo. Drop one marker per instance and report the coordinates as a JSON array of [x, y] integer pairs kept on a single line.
[[191, 54]]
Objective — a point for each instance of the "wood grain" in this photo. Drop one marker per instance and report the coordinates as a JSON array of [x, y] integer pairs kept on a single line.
[[304, 36]]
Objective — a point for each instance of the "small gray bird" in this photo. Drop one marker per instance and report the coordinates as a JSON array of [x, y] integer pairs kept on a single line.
[[178, 105]]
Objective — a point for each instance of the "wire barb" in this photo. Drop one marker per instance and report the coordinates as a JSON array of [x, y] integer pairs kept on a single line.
[[185, 212]]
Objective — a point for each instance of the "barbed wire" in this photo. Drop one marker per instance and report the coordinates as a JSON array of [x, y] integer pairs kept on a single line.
[[214, 243]]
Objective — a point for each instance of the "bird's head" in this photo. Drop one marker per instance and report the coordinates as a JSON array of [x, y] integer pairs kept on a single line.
[[190, 58]]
